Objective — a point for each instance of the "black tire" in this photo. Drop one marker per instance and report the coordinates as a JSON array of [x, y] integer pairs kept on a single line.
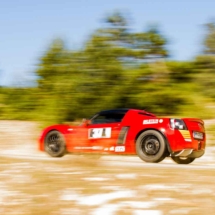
[[183, 160], [151, 146], [55, 144]]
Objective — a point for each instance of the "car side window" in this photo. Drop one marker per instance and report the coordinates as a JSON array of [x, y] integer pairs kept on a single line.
[[107, 118]]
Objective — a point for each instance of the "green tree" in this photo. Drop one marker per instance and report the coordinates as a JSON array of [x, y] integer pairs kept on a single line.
[[209, 41], [58, 78], [74, 84], [205, 74], [129, 45]]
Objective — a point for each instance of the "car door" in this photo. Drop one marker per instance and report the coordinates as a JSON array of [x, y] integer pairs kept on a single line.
[[103, 131]]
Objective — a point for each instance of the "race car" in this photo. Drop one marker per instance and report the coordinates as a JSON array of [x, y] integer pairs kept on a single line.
[[130, 132]]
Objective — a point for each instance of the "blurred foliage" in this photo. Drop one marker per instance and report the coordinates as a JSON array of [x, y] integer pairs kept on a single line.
[[209, 41], [205, 74], [116, 68]]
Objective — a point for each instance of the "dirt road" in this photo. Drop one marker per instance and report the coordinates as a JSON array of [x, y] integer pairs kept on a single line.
[[33, 183]]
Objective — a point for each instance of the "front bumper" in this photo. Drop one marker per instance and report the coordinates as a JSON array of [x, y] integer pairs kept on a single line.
[[190, 153]]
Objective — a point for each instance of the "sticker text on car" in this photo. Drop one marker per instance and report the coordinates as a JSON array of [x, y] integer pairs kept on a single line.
[[88, 147], [112, 148], [150, 121], [119, 148]]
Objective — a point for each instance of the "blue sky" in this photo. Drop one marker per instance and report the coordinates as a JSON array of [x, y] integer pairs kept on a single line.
[[28, 27]]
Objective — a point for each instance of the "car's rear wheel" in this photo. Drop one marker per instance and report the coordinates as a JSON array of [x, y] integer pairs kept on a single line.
[[151, 146], [183, 160], [55, 144]]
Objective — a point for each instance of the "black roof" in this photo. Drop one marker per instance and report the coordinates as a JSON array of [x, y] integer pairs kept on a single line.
[[119, 110]]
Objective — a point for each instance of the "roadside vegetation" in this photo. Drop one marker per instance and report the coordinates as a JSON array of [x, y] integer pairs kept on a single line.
[[116, 68]]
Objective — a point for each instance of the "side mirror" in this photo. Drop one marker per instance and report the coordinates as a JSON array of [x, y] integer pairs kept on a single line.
[[85, 122]]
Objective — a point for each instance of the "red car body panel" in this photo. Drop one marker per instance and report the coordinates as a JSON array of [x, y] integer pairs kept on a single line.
[[105, 137]]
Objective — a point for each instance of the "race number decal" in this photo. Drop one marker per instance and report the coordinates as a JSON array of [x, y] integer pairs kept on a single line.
[[99, 133]]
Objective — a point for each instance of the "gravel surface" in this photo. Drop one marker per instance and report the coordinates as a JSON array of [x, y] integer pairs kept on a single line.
[[31, 182]]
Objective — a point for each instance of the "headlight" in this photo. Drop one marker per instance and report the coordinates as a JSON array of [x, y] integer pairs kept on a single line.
[[177, 124]]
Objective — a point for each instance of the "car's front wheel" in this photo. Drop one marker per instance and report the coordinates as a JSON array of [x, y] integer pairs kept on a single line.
[[183, 160], [151, 146], [55, 144]]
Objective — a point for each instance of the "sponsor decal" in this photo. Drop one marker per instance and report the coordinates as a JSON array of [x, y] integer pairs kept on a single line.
[[97, 147], [150, 121], [89, 147], [160, 120], [111, 148], [95, 133], [119, 148], [82, 147], [105, 149]]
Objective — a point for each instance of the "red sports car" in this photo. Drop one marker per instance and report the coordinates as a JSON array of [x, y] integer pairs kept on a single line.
[[129, 131]]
